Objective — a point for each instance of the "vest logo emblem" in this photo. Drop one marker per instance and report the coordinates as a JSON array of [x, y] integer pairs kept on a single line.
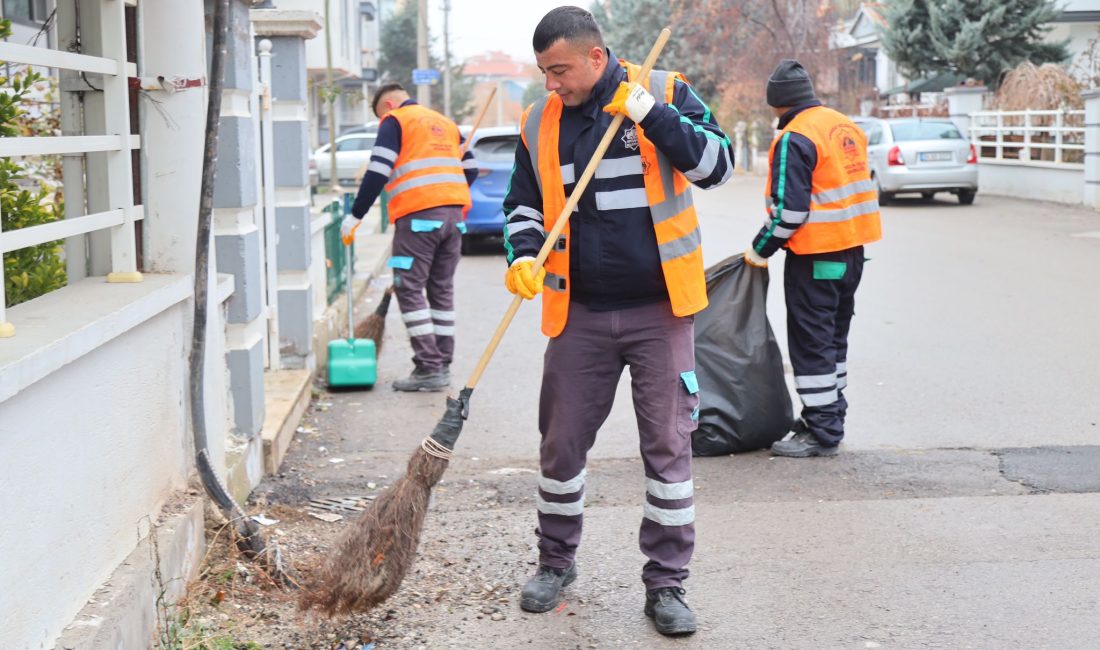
[[630, 138]]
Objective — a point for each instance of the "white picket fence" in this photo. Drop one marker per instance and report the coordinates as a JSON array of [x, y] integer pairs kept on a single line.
[[118, 144], [1033, 138]]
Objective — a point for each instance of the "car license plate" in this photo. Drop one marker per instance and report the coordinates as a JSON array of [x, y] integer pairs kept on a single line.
[[935, 156]]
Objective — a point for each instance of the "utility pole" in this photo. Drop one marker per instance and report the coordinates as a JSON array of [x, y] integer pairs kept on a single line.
[[334, 176], [423, 91], [447, 58]]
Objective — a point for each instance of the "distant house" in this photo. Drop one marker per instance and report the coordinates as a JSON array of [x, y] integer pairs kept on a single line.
[[870, 77], [1079, 24], [865, 71], [509, 76]]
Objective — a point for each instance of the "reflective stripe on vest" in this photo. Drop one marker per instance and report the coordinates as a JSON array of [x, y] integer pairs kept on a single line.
[[667, 194], [844, 210], [427, 172]]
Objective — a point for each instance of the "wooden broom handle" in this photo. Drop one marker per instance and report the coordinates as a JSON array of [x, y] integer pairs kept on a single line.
[[477, 123], [563, 218]]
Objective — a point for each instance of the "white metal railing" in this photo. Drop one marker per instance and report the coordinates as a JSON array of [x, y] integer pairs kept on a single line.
[[118, 220], [1036, 138]]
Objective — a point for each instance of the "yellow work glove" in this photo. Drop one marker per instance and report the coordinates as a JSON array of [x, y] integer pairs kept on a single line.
[[520, 281], [752, 258], [631, 99]]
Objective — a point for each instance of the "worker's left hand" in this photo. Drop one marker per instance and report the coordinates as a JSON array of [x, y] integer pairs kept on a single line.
[[631, 99], [347, 229], [752, 258]]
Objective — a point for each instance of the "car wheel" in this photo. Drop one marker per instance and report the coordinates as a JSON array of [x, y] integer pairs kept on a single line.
[[884, 198], [927, 196], [966, 197], [467, 244]]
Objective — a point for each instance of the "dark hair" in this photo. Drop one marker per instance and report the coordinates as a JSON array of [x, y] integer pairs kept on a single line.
[[571, 23], [385, 88]]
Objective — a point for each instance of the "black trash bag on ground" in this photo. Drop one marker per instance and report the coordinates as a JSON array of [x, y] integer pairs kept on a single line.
[[743, 400]]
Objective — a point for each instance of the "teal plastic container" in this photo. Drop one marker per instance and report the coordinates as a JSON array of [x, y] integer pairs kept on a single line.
[[352, 362]]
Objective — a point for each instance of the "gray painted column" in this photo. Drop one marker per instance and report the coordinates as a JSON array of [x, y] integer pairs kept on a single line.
[[236, 235], [961, 102], [288, 31], [1092, 147]]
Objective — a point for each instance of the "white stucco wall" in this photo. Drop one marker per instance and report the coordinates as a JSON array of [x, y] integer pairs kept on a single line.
[[110, 424], [1078, 37], [1033, 183]]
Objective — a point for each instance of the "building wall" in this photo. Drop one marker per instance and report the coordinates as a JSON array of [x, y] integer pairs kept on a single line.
[[1080, 38], [111, 423]]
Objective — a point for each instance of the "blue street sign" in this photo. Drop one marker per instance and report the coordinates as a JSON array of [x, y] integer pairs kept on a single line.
[[425, 76]]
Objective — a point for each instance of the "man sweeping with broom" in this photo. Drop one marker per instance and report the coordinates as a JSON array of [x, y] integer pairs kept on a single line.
[[416, 160], [620, 288]]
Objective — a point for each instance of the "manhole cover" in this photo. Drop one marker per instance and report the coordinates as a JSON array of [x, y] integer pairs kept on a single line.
[[357, 503]]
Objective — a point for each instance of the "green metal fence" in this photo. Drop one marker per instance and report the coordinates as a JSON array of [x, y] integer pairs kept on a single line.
[[336, 254]]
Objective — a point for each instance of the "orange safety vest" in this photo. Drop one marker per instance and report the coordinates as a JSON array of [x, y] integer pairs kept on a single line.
[[844, 203], [670, 204], [428, 170]]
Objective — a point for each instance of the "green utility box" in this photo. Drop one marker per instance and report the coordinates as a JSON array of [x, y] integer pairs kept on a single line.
[[352, 362]]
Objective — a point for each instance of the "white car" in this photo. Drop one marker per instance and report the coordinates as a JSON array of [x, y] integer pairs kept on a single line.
[[921, 156], [352, 153]]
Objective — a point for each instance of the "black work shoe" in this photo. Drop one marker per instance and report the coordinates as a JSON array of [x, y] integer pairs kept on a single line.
[[542, 592], [802, 445], [420, 379], [669, 611]]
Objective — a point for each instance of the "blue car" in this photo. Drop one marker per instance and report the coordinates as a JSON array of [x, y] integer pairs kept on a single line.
[[494, 148]]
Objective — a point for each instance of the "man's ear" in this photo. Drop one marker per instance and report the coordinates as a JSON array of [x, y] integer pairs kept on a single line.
[[596, 55]]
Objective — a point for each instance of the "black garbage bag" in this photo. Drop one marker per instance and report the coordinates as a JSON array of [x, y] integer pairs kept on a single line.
[[743, 400]]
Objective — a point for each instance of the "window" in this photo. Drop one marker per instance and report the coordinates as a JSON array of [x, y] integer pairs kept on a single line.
[[908, 131], [355, 144], [25, 11], [496, 148], [875, 136]]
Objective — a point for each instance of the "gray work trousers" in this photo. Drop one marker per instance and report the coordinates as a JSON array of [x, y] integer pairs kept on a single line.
[[580, 374], [431, 257]]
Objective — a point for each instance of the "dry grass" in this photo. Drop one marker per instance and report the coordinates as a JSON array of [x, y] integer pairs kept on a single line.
[[1044, 87]]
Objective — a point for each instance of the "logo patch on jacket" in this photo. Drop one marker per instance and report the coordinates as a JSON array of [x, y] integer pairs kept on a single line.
[[630, 139]]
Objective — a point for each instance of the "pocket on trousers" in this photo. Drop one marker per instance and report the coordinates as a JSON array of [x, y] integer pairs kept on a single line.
[[828, 270], [687, 404], [400, 262], [425, 225]]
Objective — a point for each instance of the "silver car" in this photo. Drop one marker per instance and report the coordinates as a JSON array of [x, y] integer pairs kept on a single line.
[[921, 156], [352, 154]]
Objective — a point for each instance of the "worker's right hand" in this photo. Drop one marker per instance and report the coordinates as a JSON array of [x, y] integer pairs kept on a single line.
[[521, 281], [347, 229]]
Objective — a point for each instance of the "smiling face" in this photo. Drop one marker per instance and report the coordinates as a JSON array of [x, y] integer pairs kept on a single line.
[[571, 69]]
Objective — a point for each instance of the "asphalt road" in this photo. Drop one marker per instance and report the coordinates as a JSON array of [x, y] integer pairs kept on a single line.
[[961, 513]]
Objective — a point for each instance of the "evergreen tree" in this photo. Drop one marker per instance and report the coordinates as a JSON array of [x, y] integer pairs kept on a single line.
[[982, 39]]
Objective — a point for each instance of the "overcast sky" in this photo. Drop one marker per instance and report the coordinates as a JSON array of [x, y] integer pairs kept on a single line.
[[481, 25]]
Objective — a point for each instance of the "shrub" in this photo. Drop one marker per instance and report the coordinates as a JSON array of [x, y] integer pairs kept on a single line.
[[34, 271]]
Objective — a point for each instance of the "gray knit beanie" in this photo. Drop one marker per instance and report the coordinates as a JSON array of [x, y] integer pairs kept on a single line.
[[790, 85]]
